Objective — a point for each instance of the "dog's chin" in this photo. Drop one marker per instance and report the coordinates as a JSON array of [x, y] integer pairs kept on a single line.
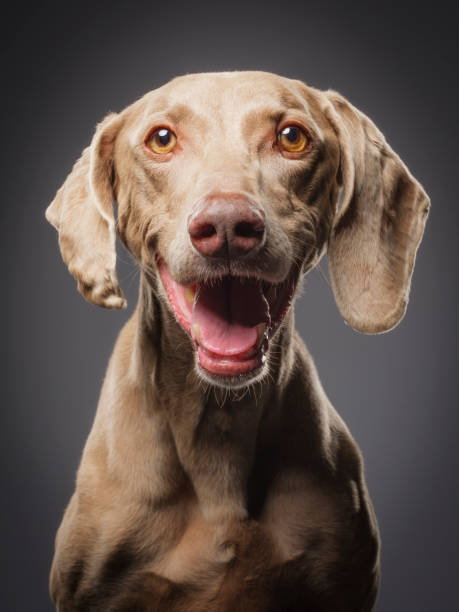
[[231, 321], [231, 381]]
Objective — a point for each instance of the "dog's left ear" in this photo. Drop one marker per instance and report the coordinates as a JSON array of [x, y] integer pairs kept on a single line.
[[377, 229], [82, 213]]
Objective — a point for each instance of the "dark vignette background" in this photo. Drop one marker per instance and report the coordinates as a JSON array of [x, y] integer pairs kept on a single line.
[[66, 65]]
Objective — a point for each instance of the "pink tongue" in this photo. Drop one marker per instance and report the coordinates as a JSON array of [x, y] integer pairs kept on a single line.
[[228, 314]]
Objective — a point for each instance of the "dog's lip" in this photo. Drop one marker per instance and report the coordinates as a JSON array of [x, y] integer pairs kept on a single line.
[[222, 365], [227, 362]]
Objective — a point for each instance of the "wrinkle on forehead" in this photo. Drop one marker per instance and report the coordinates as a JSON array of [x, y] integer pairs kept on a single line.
[[233, 90]]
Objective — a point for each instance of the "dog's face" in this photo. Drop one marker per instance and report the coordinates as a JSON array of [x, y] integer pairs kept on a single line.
[[227, 188], [234, 187]]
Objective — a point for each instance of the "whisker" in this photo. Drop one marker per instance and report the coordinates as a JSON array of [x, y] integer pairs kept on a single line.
[[324, 276]]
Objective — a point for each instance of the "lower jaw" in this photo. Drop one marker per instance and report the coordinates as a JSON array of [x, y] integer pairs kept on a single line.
[[228, 368], [238, 381]]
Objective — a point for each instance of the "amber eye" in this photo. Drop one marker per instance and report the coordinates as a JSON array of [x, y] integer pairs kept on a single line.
[[162, 141], [293, 139]]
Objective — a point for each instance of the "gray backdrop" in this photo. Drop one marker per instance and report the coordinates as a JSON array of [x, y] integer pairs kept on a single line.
[[64, 67]]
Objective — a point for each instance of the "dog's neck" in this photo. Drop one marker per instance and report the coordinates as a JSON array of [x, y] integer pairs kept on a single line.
[[214, 430]]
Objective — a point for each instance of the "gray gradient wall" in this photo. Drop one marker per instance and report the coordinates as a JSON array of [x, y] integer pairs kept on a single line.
[[64, 67]]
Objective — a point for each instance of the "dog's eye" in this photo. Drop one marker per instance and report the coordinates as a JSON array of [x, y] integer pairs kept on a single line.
[[162, 141], [293, 139]]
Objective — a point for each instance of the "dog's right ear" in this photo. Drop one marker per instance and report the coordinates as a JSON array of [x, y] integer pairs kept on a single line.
[[82, 213]]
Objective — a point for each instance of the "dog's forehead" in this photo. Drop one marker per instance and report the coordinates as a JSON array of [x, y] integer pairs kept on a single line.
[[217, 93], [240, 85]]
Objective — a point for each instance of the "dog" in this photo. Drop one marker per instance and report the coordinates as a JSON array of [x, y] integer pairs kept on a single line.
[[217, 476]]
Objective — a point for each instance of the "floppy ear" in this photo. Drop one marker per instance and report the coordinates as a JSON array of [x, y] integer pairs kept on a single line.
[[82, 213], [377, 229]]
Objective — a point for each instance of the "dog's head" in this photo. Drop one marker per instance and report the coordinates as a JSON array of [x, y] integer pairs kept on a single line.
[[229, 187]]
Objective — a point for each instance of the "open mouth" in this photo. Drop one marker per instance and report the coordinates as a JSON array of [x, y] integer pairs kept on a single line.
[[230, 319]]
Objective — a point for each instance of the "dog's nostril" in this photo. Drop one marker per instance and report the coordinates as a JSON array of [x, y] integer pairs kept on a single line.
[[205, 230], [246, 229]]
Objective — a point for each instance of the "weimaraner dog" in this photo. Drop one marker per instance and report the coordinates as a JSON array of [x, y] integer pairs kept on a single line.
[[217, 477]]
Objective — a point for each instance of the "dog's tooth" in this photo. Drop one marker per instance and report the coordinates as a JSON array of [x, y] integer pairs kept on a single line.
[[196, 332], [190, 293], [261, 328]]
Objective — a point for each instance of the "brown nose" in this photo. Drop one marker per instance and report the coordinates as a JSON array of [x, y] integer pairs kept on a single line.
[[227, 227]]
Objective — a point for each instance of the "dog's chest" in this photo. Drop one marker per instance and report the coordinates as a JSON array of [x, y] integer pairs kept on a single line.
[[290, 525], [237, 565]]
